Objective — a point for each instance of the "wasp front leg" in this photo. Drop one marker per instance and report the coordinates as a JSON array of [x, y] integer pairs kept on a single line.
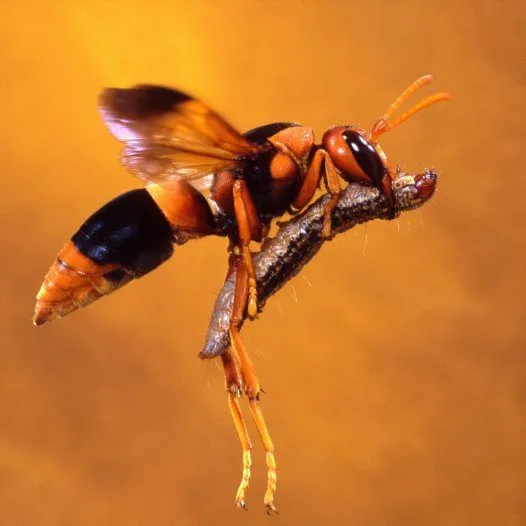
[[320, 166]]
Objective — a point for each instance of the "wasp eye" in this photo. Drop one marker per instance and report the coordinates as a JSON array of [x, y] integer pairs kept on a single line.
[[366, 156]]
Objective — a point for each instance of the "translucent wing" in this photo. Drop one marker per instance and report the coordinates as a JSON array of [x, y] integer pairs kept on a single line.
[[168, 134]]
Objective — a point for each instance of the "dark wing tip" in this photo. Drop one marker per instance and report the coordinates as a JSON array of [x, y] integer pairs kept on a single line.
[[141, 101]]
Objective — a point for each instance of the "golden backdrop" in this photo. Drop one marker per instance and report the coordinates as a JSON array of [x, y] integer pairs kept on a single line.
[[393, 365]]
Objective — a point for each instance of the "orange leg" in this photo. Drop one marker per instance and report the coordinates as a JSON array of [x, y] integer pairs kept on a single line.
[[332, 182], [249, 230], [241, 375], [234, 387], [321, 165], [252, 389], [241, 293], [269, 451], [311, 182]]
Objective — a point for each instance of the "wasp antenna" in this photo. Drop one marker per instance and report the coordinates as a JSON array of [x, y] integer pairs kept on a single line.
[[416, 85], [382, 125], [437, 97]]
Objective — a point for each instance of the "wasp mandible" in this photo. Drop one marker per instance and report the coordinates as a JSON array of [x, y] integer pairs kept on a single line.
[[204, 178]]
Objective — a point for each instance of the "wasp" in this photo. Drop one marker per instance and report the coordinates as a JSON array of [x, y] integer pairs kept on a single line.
[[202, 177]]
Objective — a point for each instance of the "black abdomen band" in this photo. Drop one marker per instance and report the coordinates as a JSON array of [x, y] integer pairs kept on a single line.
[[130, 230]]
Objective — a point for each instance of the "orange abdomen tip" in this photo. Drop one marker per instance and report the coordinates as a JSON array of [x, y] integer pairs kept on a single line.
[[73, 281]]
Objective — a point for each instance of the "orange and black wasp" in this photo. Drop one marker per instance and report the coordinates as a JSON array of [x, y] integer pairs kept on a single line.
[[204, 178]]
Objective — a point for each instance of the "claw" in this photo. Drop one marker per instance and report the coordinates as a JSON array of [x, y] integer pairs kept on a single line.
[[270, 509], [236, 390], [252, 392], [240, 495], [252, 389]]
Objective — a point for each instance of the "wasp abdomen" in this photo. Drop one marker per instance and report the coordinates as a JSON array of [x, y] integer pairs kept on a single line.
[[130, 230], [123, 240]]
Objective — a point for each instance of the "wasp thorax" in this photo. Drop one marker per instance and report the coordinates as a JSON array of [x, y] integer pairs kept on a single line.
[[355, 157]]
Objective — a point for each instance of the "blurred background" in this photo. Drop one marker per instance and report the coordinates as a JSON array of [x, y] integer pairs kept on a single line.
[[393, 365]]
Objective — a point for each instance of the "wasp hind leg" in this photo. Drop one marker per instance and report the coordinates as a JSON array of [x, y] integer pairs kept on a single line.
[[241, 377], [268, 445], [234, 387]]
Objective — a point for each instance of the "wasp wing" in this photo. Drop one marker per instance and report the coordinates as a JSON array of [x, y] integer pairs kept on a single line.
[[169, 134]]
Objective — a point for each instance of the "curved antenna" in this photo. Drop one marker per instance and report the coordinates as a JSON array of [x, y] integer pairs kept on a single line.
[[417, 84], [437, 97], [382, 125]]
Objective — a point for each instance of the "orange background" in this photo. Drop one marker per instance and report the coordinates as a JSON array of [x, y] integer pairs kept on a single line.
[[393, 382]]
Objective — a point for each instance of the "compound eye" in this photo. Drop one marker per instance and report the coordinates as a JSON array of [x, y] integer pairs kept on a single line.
[[365, 156], [353, 155]]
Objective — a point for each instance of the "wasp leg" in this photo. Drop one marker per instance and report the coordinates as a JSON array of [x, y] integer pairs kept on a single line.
[[250, 380], [332, 182], [321, 166], [252, 389], [234, 387], [241, 293], [311, 182], [250, 229], [269, 452]]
